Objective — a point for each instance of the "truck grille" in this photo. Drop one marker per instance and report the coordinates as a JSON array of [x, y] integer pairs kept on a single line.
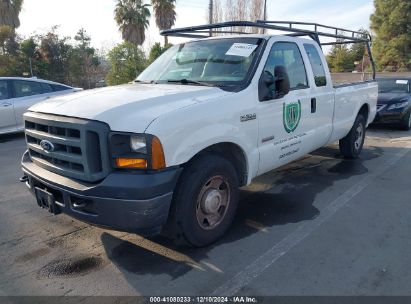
[[71, 147]]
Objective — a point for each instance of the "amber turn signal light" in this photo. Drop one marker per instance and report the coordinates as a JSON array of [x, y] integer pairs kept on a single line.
[[132, 163], [157, 155]]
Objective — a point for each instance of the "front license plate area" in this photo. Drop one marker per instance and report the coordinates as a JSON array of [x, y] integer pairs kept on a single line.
[[46, 200]]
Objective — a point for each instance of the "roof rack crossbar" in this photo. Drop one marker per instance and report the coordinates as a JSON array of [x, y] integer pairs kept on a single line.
[[273, 25], [291, 28]]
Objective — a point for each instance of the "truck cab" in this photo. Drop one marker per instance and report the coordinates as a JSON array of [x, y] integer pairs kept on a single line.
[[168, 153]]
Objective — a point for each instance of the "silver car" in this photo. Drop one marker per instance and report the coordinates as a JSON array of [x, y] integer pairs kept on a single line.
[[18, 94]]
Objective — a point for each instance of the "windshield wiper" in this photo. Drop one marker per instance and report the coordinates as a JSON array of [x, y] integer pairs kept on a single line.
[[146, 82], [189, 81]]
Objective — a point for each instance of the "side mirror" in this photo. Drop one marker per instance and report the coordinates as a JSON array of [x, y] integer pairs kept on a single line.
[[264, 84], [282, 81]]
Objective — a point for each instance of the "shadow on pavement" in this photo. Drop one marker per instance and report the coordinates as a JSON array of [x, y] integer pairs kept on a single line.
[[289, 199], [10, 137]]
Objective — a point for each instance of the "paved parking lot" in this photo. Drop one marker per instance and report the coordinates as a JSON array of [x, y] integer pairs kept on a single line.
[[320, 226]]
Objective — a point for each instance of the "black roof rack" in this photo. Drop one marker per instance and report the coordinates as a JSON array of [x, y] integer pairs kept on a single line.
[[296, 29]]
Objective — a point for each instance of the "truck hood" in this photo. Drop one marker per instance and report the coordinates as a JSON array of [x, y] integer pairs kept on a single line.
[[129, 108]]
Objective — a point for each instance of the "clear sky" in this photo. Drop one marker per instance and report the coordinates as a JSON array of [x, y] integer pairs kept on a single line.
[[97, 16]]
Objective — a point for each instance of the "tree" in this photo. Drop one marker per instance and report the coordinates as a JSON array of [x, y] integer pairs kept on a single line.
[[340, 59], [127, 61], [132, 17], [6, 34], [55, 52], [239, 10], [165, 13], [156, 51], [391, 23], [9, 12], [82, 60]]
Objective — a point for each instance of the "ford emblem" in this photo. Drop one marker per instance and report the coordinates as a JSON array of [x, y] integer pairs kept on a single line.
[[47, 146]]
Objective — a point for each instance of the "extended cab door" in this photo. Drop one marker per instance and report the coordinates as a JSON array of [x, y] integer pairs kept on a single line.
[[322, 94], [7, 118]]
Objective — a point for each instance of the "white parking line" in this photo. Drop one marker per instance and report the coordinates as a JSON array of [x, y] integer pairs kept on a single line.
[[257, 267]]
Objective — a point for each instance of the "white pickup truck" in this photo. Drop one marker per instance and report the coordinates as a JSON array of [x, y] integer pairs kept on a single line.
[[168, 153]]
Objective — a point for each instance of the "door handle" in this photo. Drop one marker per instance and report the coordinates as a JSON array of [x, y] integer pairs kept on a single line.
[[6, 104], [313, 105]]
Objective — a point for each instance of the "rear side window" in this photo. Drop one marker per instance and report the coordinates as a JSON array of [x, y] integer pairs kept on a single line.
[[24, 88], [288, 55], [317, 65], [46, 88], [57, 87], [4, 90]]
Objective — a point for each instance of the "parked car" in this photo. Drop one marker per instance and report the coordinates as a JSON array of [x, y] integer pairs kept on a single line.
[[394, 102], [18, 94], [169, 152]]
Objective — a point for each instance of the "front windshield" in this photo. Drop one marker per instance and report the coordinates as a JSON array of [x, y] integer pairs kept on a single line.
[[218, 62], [393, 86]]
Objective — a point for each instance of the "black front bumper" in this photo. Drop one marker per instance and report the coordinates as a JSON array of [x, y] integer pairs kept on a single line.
[[390, 116], [126, 201]]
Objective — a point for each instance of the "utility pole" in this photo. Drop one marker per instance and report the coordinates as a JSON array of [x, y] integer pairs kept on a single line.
[[210, 14], [265, 14], [31, 68]]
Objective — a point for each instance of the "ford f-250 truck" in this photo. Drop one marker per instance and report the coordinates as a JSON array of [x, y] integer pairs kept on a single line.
[[169, 152]]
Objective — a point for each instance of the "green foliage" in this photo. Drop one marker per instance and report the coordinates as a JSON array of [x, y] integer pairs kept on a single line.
[[345, 57], [165, 13], [127, 61], [51, 57], [156, 51], [132, 17], [341, 59], [9, 13], [82, 60], [391, 24]]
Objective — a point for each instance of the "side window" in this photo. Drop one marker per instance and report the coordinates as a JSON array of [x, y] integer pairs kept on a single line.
[[24, 88], [317, 65], [288, 55], [57, 87], [46, 88], [4, 90]]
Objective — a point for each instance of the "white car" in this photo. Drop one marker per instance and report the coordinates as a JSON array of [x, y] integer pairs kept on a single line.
[[18, 94]]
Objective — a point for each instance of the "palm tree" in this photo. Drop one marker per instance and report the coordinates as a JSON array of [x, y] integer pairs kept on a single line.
[[9, 13], [165, 13], [132, 17]]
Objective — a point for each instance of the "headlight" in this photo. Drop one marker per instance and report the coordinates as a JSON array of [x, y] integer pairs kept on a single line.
[[138, 143], [136, 151], [398, 105]]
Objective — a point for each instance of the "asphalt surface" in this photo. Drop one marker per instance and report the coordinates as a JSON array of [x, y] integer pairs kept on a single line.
[[319, 226]]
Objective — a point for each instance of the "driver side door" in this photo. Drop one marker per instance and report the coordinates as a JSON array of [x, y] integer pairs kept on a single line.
[[284, 123], [7, 118]]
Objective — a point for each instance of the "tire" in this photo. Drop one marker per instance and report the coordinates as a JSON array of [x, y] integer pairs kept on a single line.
[[198, 216], [352, 144], [406, 122]]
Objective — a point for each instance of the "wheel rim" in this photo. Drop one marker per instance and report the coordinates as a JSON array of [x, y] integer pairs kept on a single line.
[[359, 134], [213, 202]]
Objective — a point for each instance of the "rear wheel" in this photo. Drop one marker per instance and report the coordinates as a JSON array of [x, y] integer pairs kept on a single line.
[[205, 201], [352, 144], [406, 122]]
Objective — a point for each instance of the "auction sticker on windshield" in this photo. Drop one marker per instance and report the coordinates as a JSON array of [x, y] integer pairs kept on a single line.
[[241, 49], [402, 82]]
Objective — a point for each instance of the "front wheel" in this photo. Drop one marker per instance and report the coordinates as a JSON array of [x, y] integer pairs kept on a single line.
[[352, 144], [205, 201]]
